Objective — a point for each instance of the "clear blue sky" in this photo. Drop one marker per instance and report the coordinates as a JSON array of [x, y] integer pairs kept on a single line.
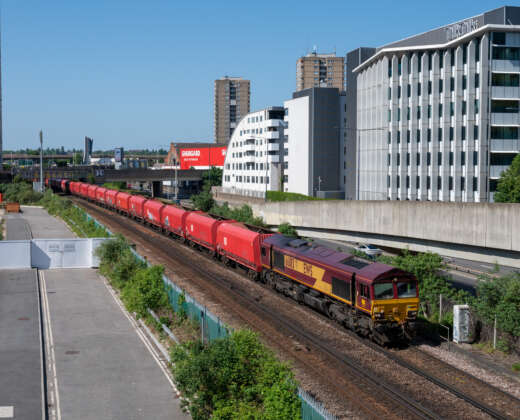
[[140, 74]]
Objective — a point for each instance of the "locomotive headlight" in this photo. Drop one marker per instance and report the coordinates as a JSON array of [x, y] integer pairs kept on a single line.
[[379, 312]]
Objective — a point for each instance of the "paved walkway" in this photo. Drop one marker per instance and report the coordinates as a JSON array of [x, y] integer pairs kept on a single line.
[[97, 364], [104, 370], [20, 358]]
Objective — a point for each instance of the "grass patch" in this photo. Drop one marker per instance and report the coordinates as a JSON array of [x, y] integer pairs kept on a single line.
[[516, 367], [288, 196]]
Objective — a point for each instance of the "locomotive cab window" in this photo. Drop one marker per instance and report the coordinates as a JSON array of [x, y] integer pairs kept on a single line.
[[263, 251], [383, 291], [341, 288], [406, 289]]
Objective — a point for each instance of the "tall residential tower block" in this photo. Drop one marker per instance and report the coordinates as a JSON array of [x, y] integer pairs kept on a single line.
[[232, 102]]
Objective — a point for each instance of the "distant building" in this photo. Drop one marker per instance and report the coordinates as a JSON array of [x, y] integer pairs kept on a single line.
[[297, 148], [232, 102], [254, 163], [314, 145], [320, 70], [87, 151]]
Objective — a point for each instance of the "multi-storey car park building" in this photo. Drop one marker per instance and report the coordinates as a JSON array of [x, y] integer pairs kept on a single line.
[[437, 114], [320, 70], [253, 160], [232, 102]]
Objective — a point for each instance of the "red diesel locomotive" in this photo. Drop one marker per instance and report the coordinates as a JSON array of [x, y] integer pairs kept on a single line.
[[373, 299]]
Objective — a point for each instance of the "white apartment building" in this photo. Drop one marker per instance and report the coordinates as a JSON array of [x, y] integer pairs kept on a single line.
[[437, 114], [253, 162]]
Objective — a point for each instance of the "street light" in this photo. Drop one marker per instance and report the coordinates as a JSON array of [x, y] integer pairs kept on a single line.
[[41, 162]]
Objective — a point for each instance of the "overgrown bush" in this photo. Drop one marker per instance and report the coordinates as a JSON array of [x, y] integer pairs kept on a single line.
[[287, 229], [20, 191], [500, 297], [235, 378], [288, 196], [75, 217], [241, 214]]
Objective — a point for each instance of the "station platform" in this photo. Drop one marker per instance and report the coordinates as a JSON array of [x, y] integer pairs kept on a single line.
[[97, 364]]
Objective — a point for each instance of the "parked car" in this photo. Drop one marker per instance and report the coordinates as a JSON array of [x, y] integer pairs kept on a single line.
[[369, 250]]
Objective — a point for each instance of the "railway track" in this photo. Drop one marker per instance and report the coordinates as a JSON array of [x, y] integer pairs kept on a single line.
[[350, 367]]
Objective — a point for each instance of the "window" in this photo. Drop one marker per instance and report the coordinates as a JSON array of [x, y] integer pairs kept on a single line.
[[506, 53], [388, 181], [464, 82], [429, 60], [418, 181], [405, 289], [439, 158], [428, 183], [429, 111], [464, 53], [388, 159], [389, 115], [463, 133], [418, 159], [407, 136], [398, 159], [451, 159], [475, 158], [475, 132], [452, 57], [501, 106], [418, 112], [398, 137], [439, 133], [409, 90], [440, 85], [440, 110], [341, 288], [477, 50], [364, 291], [477, 80], [463, 158], [428, 159], [462, 184], [389, 137], [429, 87], [419, 89], [389, 93], [390, 68], [452, 109], [450, 183], [398, 181], [408, 113], [504, 133], [419, 62], [476, 106], [398, 91], [398, 114], [475, 183], [441, 60], [429, 135], [407, 181], [439, 182], [408, 159], [263, 251], [418, 136], [399, 66], [381, 290], [504, 79]]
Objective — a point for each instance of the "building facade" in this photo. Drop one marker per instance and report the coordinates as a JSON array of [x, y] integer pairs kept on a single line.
[[320, 70], [253, 162], [314, 143], [232, 102], [437, 114]]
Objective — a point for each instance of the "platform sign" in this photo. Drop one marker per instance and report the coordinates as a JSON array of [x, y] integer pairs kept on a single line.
[[202, 157]]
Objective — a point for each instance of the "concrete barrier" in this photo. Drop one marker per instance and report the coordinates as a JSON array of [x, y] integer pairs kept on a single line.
[[486, 231]]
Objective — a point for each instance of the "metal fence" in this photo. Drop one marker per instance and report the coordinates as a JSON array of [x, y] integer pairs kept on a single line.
[[212, 328]]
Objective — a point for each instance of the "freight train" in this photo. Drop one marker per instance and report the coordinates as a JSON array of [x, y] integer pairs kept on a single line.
[[373, 299]]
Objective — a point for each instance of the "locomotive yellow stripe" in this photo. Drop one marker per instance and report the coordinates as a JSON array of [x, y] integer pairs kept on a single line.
[[309, 270]]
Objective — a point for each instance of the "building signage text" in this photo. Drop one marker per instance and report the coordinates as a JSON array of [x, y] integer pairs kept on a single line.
[[462, 28]]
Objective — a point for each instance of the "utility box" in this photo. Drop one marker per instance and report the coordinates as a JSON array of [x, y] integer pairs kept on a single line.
[[12, 208], [461, 323]]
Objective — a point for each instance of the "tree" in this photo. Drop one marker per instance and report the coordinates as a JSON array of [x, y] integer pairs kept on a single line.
[[213, 177], [287, 229], [204, 200], [508, 189]]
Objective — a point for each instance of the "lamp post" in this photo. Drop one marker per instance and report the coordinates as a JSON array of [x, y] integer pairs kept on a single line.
[[41, 162]]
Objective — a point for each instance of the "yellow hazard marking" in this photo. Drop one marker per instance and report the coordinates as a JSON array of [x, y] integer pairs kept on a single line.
[[309, 270]]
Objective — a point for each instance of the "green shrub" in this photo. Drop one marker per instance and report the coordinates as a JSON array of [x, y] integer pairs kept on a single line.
[[288, 196], [287, 229], [20, 191], [234, 378], [145, 290], [241, 214]]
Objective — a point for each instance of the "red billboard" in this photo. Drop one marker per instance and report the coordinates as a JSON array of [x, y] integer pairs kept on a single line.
[[202, 156]]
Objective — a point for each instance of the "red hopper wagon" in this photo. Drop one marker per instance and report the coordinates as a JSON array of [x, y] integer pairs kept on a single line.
[[173, 219], [137, 206], [201, 229], [153, 211]]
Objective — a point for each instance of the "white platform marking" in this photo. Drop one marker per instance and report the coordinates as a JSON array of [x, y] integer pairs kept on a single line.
[[7, 412]]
